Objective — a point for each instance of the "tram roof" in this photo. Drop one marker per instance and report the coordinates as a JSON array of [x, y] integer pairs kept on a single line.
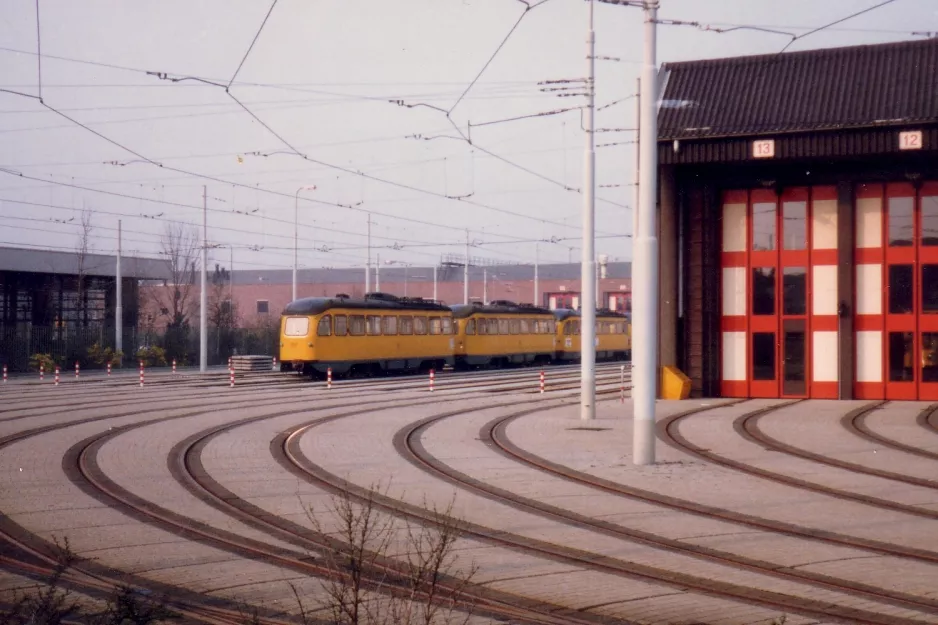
[[372, 301], [461, 311]]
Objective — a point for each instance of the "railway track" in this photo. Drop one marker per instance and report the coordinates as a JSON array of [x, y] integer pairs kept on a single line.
[[293, 458], [855, 423]]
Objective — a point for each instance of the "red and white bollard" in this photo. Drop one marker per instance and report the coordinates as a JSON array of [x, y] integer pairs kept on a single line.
[[275, 363], [229, 362], [4, 374], [231, 376], [77, 369], [542, 381], [141, 374], [329, 377], [42, 372], [174, 366], [56, 376], [108, 369], [432, 379]]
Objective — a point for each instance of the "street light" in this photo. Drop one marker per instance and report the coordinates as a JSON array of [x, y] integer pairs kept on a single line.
[[296, 230], [405, 265]]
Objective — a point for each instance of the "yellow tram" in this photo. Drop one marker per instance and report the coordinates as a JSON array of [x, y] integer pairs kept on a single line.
[[377, 333], [501, 333], [613, 335]]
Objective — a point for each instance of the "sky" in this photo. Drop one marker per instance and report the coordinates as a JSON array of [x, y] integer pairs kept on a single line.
[[326, 98]]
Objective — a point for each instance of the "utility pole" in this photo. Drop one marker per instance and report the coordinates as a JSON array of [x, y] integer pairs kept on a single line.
[[378, 274], [645, 265], [203, 295], [485, 285], [434, 284], [588, 260], [231, 282], [296, 231], [119, 298], [368, 264], [537, 290], [465, 273]]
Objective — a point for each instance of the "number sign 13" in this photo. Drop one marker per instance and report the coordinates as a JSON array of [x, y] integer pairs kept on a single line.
[[763, 148]]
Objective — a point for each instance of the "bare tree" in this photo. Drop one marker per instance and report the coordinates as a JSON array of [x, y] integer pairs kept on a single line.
[[82, 250], [180, 247], [372, 584]]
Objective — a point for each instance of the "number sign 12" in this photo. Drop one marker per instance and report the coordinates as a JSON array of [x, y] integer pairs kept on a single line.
[[910, 140], [763, 148]]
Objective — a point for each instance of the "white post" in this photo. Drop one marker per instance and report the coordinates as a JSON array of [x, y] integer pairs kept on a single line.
[[405, 280], [485, 285], [537, 290], [296, 229], [378, 273], [203, 294], [645, 265], [231, 282], [368, 263], [465, 273], [119, 298], [434, 283], [588, 266]]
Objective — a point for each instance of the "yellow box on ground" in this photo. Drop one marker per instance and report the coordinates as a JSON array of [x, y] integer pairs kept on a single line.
[[674, 384]]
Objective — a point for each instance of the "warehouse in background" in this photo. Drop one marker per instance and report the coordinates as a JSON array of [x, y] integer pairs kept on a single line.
[[799, 223]]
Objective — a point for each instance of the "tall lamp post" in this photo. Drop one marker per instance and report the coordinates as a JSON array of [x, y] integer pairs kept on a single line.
[[296, 231]]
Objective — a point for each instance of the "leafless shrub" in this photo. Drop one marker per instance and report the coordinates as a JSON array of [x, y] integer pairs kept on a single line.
[[369, 584]]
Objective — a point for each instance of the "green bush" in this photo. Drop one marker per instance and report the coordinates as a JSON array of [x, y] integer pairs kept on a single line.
[[152, 356], [46, 360], [101, 357]]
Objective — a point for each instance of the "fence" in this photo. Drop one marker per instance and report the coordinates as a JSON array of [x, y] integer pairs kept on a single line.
[[18, 344]]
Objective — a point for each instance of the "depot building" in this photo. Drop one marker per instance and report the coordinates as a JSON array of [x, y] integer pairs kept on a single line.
[[798, 205]]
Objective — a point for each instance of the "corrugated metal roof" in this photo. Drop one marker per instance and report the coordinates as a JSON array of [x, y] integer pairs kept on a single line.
[[48, 261], [893, 84]]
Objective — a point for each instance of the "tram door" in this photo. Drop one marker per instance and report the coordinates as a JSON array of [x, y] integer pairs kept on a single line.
[[911, 293]]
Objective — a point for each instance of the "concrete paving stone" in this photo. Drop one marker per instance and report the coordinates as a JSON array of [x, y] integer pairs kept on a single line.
[[523, 523], [818, 430], [715, 486], [897, 421]]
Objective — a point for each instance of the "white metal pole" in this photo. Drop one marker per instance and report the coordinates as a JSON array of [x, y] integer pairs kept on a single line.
[[203, 295], [405, 280], [368, 264], [465, 274], [434, 283], [537, 290], [644, 315], [231, 281], [588, 266], [296, 229], [485, 285], [378, 273], [119, 298]]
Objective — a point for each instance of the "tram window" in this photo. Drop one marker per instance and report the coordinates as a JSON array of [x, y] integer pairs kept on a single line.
[[406, 325], [514, 326], [420, 325], [763, 355], [763, 291], [901, 357], [448, 326], [524, 326], [503, 326], [390, 325], [436, 325], [794, 225], [930, 289], [576, 328], [763, 226], [356, 325], [900, 221], [568, 328], [471, 326], [296, 326], [794, 290], [325, 326], [341, 325], [929, 356], [930, 220], [373, 325], [900, 289], [493, 326]]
